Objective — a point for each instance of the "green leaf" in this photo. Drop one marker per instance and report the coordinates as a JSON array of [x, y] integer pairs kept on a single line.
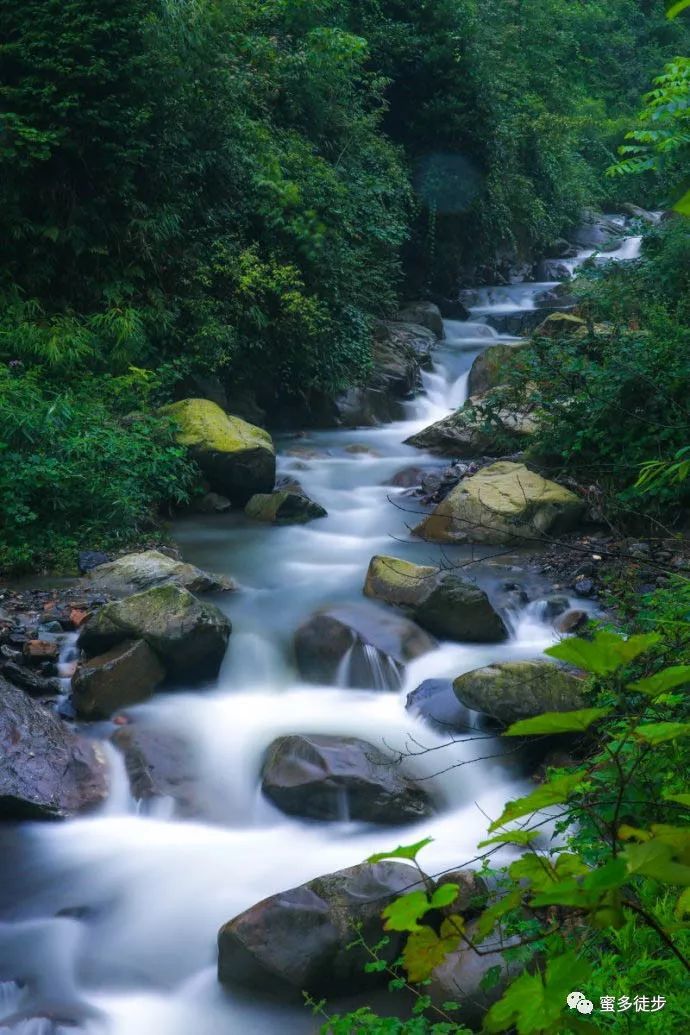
[[604, 654], [490, 917], [682, 799], [683, 206], [683, 905], [511, 837], [675, 7], [535, 869], [536, 1002], [558, 722], [555, 792], [659, 732], [444, 895], [404, 913], [402, 851], [425, 950], [655, 859], [668, 679]]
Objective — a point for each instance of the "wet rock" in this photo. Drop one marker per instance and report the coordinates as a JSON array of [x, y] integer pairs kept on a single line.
[[511, 595], [434, 701], [89, 559], [46, 771], [374, 644], [37, 651], [595, 231], [408, 477], [558, 325], [337, 778], [212, 503], [459, 978], [424, 314], [583, 586], [640, 551], [451, 308], [125, 675], [284, 508], [555, 606], [446, 604], [298, 939], [571, 621], [471, 432], [651, 218], [159, 764], [502, 504], [189, 636], [31, 683], [139, 571], [491, 366], [513, 690], [361, 449], [237, 458]]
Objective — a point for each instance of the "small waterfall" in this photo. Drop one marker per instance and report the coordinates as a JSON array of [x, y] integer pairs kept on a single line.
[[365, 667]]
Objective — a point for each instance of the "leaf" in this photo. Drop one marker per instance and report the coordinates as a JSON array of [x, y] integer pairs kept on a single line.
[[683, 206], [660, 732], [668, 679], [654, 859], [425, 950], [558, 722], [444, 895], [535, 869], [535, 1002], [675, 7], [405, 912], [604, 654], [490, 917], [682, 799], [402, 851], [683, 905], [555, 792], [511, 837]]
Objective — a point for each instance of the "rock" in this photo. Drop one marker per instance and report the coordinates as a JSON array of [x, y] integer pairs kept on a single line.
[[444, 603], [434, 701], [139, 571], [237, 458], [159, 764], [491, 366], [46, 771], [640, 551], [189, 637], [283, 508], [298, 940], [651, 218], [30, 682], [203, 386], [595, 230], [470, 433], [451, 308], [555, 606], [583, 586], [125, 675], [514, 690], [375, 644], [336, 778], [212, 503], [558, 325], [89, 559], [502, 504], [361, 449], [424, 314], [552, 269], [407, 478], [41, 650], [571, 621]]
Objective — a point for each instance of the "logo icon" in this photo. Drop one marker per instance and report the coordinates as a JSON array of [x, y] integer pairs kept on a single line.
[[578, 1001]]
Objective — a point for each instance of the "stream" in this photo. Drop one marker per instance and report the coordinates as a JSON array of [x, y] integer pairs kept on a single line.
[[110, 921]]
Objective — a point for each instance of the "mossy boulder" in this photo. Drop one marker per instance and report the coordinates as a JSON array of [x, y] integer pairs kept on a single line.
[[514, 690], [189, 636], [136, 572], [559, 325], [470, 432], [124, 675], [444, 603], [491, 366], [237, 458], [284, 508], [424, 314], [502, 504], [333, 778]]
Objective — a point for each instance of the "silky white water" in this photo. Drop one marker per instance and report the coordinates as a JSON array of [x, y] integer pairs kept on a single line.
[[110, 921]]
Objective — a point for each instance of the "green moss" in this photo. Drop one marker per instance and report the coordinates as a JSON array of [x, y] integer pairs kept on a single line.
[[205, 426]]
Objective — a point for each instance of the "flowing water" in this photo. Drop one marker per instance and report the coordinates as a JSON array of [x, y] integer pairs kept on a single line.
[[110, 921]]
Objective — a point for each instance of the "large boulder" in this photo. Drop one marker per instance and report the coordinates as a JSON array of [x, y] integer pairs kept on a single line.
[[596, 230], [560, 325], [284, 508], [299, 940], [513, 690], [461, 976], [336, 778], [124, 675], [502, 504], [424, 314], [444, 603], [189, 636], [471, 432], [434, 701], [490, 367], [237, 458], [358, 647], [46, 770], [138, 571]]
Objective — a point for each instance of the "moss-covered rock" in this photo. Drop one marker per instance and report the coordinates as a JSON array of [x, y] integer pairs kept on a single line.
[[469, 433], [424, 314], [284, 508], [237, 458], [124, 675], [446, 604], [514, 690], [502, 504], [491, 366], [136, 572], [558, 325], [189, 636]]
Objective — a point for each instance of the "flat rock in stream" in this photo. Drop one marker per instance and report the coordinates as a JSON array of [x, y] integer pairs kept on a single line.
[[284, 508], [298, 940], [46, 770], [124, 675], [514, 690], [136, 572], [336, 778]]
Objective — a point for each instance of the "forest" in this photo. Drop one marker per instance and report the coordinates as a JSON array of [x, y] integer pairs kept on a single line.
[[380, 311]]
